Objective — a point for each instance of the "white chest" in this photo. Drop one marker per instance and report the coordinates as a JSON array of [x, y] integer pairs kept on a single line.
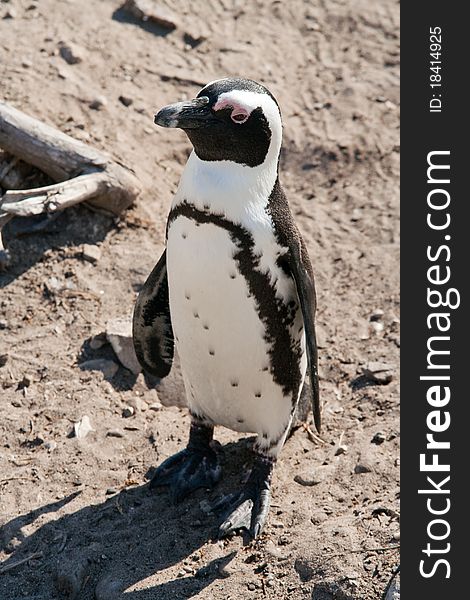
[[221, 236], [219, 335]]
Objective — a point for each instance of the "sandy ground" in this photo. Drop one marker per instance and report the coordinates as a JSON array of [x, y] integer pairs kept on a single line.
[[81, 505]]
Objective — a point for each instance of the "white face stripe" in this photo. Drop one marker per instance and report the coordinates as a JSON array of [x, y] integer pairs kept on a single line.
[[247, 101]]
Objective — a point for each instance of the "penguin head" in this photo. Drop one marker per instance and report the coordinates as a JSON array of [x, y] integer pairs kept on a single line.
[[231, 119]]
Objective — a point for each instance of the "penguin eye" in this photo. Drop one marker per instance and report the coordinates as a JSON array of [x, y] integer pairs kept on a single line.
[[239, 115]]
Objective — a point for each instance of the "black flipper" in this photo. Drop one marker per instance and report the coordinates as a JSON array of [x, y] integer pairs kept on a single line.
[[151, 328], [301, 269], [296, 261]]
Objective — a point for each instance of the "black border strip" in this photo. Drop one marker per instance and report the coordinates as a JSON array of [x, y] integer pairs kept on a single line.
[[424, 132]]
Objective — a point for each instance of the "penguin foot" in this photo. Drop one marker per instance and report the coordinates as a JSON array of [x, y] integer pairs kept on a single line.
[[249, 508], [197, 466]]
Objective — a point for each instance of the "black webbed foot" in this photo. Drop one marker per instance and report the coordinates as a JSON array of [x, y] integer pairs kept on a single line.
[[197, 466], [249, 508]]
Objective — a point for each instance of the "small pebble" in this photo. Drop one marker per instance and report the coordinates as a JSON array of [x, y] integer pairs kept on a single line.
[[356, 214], [251, 587], [152, 11], [307, 479], [379, 438], [10, 14], [341, 449], [138, 404], [273, 550], [128, 411], [91, 253], [224, 571], [83, 427], [24, 383], [152, 396], [376, 315], [362, 467], [378, 372], [377, 326], [98, 103], [125, 100], [119, 335], [111, 491], [71, 53]]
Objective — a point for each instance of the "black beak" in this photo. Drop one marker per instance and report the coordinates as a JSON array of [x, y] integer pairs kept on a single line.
[[185, 115]]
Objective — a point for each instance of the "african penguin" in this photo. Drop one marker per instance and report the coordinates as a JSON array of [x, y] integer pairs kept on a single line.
[[234, 291]]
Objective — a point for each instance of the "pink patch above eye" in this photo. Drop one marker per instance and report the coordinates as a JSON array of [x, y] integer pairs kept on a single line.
[[239, 115]]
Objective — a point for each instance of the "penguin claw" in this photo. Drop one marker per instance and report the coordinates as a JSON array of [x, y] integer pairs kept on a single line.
[[250, 507], [239, 518], [187, 471], [250, 512]]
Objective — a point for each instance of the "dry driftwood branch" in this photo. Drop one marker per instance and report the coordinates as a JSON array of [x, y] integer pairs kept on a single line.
[[82, 173], [26, 203]]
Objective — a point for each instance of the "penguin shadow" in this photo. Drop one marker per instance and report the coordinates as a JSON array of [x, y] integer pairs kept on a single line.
[[29, 239], [104, 549]]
